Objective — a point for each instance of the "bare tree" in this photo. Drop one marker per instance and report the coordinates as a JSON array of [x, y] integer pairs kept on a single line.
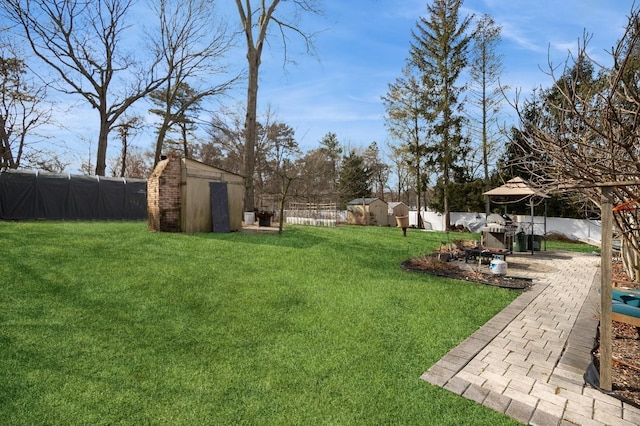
[[127, 128], [280, 153], [255, 20], [400, 161], [83, 42], [406, 110], [193, 44], [486, 91], [139, 164], [287, 174], [21, 110], [584, 131], [279, 146], [226, 140], [379, 170]]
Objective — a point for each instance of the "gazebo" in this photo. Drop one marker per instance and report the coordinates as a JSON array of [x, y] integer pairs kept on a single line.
[[516, 190]]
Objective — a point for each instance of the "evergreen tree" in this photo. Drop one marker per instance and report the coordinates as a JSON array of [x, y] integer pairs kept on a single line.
[[177, 109], [379, 170], [330, 147], [439, 51], [355, 178], [577, 89]]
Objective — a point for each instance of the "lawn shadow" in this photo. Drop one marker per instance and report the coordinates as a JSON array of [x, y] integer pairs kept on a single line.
[[268, 236]]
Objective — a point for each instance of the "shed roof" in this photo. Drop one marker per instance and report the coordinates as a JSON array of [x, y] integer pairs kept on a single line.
[[393, 204], [516, 187], [365, 201], [203, 166]]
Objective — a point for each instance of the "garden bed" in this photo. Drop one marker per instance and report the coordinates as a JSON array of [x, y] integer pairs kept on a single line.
[[437, 264], [625, 351]]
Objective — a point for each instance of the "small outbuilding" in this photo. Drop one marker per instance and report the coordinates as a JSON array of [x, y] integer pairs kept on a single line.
[[185, 195], [396, 209], [367, 211]]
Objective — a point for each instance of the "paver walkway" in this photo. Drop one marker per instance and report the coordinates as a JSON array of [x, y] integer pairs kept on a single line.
[[529, 360]]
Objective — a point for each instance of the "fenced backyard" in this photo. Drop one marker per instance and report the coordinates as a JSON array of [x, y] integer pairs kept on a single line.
[[315, 214], [106, 323]]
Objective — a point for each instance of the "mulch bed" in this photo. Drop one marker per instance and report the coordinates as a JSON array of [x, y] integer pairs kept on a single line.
[[625, 351], [435, 265]]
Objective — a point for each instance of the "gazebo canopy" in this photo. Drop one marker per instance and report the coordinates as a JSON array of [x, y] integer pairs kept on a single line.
[[516, 187]]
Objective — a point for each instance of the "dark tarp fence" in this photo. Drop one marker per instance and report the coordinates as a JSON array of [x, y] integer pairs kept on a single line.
[[26, 195]]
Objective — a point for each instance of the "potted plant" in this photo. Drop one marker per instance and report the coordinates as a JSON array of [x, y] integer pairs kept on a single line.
[[264, 218]]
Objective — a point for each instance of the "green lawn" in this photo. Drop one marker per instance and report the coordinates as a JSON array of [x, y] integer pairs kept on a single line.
[[571, 246], [108, 323]]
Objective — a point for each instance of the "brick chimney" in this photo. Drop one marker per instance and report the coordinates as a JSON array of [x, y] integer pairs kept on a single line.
[[164, 195]]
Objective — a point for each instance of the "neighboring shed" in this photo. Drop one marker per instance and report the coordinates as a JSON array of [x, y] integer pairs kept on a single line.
[[396, 209], [188, 196], [367, 211]]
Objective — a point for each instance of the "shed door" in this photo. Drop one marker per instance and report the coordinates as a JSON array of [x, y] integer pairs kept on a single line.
[[219, 207]]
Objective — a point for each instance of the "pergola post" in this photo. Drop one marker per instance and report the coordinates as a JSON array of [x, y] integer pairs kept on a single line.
[[532, 225], [606, 211]]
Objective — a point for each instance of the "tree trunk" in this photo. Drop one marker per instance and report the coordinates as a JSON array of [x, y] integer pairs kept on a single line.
[[101, 158], [418, 195], [6, 157], [447, 213], [162, 133], [185, 143], [485, 146], [286, 182], [250, 129], [123, 169]]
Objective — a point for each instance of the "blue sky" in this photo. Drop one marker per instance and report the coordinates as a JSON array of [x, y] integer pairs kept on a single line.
[[362, 46], [367, 42]]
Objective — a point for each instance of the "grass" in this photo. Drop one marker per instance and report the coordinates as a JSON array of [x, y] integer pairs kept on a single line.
[[108, 323], [568, 245]]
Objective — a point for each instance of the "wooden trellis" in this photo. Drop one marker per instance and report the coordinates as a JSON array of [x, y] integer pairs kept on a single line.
[[606, 275], [607, 210]]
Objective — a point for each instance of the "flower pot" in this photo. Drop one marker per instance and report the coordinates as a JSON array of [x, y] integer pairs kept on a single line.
[[264, 219], [402, 221]]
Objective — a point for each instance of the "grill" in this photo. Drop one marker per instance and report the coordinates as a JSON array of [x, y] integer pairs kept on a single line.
[[499, 232]]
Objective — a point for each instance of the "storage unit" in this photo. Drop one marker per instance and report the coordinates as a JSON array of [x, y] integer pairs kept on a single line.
[[396, 209], [188, 196], [367, 211]]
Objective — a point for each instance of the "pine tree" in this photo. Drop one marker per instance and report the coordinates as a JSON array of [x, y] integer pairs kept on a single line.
[[439, 51], [355, 178], [330, 147]]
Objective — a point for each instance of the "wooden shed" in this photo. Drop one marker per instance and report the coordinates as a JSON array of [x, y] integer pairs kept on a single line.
[[367, 211], [396, 209], [185, 195]]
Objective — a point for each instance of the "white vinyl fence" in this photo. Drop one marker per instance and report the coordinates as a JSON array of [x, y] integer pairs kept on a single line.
[[575, 229]]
